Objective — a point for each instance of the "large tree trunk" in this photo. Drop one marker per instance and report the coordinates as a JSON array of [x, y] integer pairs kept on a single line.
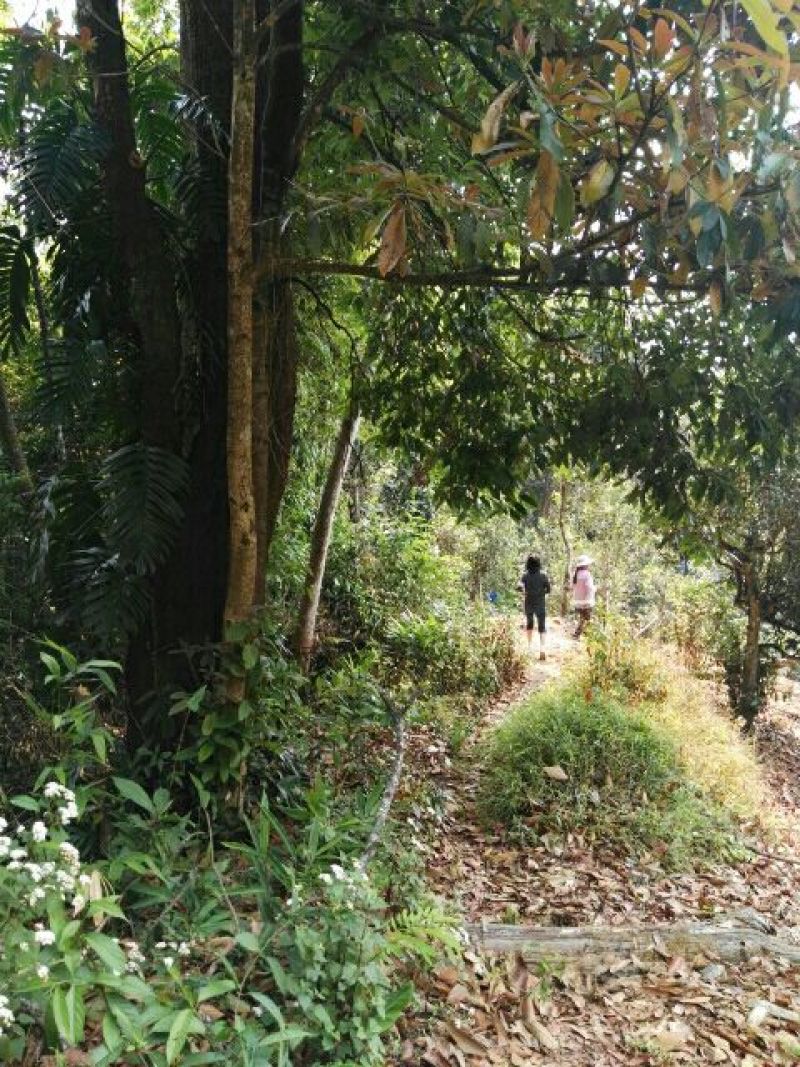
[[749, 695], [197, 597], [321, 538], [241, 500], [149, 277]]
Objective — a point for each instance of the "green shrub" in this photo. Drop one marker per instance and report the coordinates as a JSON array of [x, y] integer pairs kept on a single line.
[[564, 763]]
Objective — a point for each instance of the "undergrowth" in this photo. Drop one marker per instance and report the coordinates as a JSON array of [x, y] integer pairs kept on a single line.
[[630, 751]]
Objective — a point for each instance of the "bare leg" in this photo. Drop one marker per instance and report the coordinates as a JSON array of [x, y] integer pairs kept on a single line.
[[542, 643]]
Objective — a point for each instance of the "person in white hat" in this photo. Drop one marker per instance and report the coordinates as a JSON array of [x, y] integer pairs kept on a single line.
[[583, 593]]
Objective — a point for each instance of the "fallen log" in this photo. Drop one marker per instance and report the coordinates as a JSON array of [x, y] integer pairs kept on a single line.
[[587, 945]]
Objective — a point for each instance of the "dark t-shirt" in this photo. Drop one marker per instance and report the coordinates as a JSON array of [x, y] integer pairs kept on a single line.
[[537, 586]]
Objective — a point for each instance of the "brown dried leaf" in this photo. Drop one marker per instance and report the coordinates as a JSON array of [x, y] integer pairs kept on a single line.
[[472, 1044], [662, 38], [487, 136], [393, 240]]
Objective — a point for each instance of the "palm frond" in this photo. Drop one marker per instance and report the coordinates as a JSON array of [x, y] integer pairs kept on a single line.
[[15, 284], [143, 490], [112, 601], [60, 164]]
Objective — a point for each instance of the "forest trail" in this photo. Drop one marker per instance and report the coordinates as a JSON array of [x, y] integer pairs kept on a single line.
[[673, 1008]]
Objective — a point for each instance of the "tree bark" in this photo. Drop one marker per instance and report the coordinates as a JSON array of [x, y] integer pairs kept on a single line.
[[566, 585], [749, 696], [241, 501], [321, 538], [149, 278], [11, 442], [200, 563], [44, 342], [280, 115]]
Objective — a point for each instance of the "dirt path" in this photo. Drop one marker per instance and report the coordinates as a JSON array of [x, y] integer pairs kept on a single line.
[[670, 1010]]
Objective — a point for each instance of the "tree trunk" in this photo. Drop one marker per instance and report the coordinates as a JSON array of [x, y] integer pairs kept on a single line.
[[321, 538], [280, 114], [44, 341], [195, 598], [11, 442], [262, 425], [149, 277], [749, 695], [243, 548], [566, 586]]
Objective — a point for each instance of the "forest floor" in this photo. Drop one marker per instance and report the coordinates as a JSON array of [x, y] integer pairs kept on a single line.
[[639, 1012]]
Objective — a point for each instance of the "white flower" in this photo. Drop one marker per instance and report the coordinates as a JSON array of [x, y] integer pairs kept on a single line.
[[78, 903], [3, 825], [68, 813], [37, 894], [39, 831], [338, 872], [160, 945], [69, 854], [326, 878], [85, 880], [183, 949], [168, 961], [18, 853], [65, 881], [5, 846], [44, 937], [258, 1012], [43, 971]]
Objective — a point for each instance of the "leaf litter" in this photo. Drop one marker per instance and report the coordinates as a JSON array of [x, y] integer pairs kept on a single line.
[[663, 1009]]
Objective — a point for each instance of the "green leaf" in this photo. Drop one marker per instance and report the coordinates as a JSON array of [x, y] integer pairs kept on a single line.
[[99, 744], [108, 951], [133, 791], [565, 202], [69, 1012], [249, 656], [25, 802], [597, 182], [184, 1023], [217, 988], [248, 941], [766, 21], [396, 1004]]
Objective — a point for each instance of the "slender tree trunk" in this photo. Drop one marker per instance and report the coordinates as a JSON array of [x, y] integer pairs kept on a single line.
[[749, 696], [44, 341], [11, 442], [566, 586], [321, 538], [262, 422], [280, 114], [241, 501], [283, 359]]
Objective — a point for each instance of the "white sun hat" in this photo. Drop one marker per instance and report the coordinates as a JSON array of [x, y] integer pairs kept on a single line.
[[584, 561]]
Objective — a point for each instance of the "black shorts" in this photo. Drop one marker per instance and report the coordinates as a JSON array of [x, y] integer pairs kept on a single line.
[[539, 613]]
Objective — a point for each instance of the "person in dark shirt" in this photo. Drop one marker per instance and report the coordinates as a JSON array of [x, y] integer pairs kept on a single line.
[[536, 585]]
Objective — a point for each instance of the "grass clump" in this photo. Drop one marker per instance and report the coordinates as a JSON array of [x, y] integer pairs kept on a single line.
[[567, 761], [651, 680]]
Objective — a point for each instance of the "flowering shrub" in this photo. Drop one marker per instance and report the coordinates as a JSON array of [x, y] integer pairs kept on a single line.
[[66, 980]]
